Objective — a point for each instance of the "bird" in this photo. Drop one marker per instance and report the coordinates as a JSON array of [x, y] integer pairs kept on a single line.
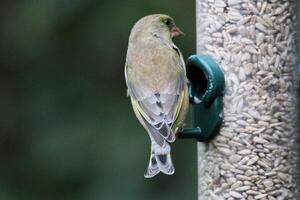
[[157, 85]]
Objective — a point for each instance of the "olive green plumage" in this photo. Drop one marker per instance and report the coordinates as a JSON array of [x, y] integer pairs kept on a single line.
[[156, 80]]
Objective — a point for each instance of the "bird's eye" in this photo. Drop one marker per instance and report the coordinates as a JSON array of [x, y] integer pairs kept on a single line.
[[168, 22]]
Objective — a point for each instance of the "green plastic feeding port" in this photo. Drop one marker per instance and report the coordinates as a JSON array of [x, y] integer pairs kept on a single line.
[[206, 97]]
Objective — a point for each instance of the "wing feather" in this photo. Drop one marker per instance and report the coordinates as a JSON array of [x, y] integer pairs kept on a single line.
[[159, 107]]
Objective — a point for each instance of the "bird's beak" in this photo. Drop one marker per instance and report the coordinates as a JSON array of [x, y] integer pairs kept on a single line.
[[176, 32]]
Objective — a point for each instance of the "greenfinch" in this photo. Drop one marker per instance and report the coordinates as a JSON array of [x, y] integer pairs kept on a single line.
[[157, 85]]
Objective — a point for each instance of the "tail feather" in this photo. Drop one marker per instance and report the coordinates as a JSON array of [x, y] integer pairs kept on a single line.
[[160, 161], [152, 168], [165, 164]]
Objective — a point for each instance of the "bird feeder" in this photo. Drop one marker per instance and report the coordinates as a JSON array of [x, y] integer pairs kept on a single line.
[[206, 96], [253, 155]]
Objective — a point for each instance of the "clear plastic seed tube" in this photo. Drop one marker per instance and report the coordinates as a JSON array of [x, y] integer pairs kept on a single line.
[[254, 155]]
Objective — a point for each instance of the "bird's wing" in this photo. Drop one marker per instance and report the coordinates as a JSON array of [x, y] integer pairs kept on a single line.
[[159, 109]]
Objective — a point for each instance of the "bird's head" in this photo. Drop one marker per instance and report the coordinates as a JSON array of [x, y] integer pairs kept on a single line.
[[167, 25], [159, 25]]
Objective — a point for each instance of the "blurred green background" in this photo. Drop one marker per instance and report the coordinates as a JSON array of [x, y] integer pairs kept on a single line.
[[67, 130]]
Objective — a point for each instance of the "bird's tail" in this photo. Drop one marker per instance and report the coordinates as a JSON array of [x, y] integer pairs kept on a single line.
[[160, 161]]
